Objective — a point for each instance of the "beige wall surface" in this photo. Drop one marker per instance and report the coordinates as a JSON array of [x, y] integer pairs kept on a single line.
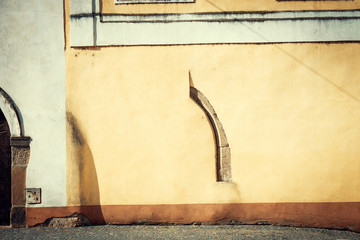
[[109, 7], [291, 113]]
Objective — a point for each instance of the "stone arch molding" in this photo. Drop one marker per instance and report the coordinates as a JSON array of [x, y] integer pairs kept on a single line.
[[223, 153], [12, 114], [20, 155]]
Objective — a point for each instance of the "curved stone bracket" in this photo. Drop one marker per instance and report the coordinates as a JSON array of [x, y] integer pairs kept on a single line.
[[223, 154]]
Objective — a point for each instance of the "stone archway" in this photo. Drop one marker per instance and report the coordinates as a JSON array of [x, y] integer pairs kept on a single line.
[[20, 154]]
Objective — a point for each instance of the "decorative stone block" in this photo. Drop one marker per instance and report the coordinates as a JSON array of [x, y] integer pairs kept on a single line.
[[20, 156]]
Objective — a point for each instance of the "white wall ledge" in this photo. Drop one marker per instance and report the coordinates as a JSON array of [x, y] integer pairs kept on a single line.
[[211, 28]]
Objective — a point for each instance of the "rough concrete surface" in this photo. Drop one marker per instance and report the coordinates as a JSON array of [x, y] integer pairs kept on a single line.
[[75, 220], [177, 232]]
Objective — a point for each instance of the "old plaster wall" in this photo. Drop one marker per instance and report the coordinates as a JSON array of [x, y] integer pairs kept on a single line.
[[32, 69], [290, 111], [138, 147]]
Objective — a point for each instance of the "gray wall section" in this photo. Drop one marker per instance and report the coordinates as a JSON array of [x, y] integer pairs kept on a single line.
[[32, 72]]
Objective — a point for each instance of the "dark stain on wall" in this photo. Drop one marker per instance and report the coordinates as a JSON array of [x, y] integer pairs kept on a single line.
[[88, 186], [75, 132]]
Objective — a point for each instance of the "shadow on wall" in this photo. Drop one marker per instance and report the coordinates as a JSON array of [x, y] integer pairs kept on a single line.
[[82, 176]]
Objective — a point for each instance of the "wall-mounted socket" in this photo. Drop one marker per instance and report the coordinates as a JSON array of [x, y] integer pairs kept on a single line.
[[33, 195]]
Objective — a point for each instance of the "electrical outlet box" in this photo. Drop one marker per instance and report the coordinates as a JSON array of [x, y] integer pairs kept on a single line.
[[33, 195]]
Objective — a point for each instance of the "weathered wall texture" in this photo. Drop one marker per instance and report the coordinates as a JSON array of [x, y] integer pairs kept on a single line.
[[290, 111], [138, 147], [32, 70]]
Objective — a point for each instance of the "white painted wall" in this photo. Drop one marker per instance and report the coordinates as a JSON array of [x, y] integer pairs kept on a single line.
[[32, 72], [194, 28]]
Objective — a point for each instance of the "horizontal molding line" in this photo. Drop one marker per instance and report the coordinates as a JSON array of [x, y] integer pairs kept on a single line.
[[322, 26], [231, 16]]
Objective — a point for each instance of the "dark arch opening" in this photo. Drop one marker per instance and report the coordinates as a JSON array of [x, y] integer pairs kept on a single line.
[[5, 171]]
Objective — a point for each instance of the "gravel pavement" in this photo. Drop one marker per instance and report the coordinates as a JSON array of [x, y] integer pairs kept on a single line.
[[177, 232]]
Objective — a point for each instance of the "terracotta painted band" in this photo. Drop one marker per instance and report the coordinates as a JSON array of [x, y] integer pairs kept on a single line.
[[338, 215]]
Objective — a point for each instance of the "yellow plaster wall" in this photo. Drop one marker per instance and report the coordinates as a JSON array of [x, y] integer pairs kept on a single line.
[[291, 113], [109, 7]]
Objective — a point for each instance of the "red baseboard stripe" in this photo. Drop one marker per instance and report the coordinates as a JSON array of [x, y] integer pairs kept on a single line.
[[327, 215]]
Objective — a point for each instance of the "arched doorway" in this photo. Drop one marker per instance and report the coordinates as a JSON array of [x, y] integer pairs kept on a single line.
[[12, 124], [5, 171]]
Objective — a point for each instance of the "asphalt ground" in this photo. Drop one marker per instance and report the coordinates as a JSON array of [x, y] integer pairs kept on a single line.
[[177, 232]]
